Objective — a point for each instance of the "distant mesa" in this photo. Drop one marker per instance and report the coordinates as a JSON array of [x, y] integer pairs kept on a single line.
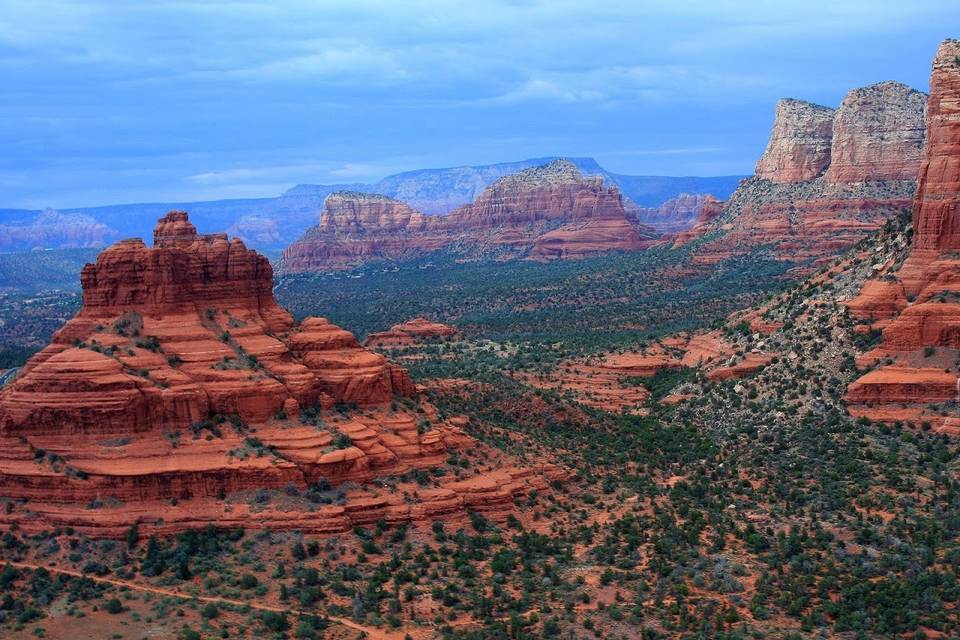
[[918, 306], [676, 215], [182, 384], [51, 228], [545, 213]]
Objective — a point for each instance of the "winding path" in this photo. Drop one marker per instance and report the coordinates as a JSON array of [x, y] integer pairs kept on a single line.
[[373, 633]]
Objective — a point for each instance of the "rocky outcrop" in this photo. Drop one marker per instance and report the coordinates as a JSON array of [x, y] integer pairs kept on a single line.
[[803, 222], [410, 333], [545, 212], [922, 333], [826, 180], [879, 133], [357, 227], [677, 214], [799, 146], [182, 379], [615, 382]]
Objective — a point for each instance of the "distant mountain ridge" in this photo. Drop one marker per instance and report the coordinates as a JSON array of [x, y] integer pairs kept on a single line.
[[545, 212], [273, 223], [435, 191]]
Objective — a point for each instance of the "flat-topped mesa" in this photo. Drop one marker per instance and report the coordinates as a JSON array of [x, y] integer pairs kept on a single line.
[[924, 333], [879, 133], [799, 146], [358, 227], [545, 212]]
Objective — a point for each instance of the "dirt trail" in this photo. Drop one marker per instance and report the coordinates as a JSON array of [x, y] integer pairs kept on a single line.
[[373, 633]]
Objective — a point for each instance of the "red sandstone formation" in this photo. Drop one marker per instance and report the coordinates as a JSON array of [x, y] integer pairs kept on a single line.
[[750, 364], [923, 300], [879, 133], [826, 180], [544, 213], [878, 300], [182, 379], [357, 227], [612, 383], [410, 333], [799, 147], [804, 222], [678, 214], [597, 386]]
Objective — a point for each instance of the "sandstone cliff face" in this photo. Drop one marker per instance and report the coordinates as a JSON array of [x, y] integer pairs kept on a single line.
[[826, 180], [799, 147], [545, 212], [355, 228], [677, 214], [879, 133], [922, 319], [181, 378]]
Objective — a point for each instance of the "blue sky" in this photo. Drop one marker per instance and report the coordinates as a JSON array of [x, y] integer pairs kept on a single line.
[[108, 102]]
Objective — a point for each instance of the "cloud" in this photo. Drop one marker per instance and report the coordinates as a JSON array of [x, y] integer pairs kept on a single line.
[[99, 96]]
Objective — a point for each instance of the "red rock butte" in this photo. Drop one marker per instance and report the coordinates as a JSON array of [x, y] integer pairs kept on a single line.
[[827, 178], [919, 306], [541, 213], [182, 382]]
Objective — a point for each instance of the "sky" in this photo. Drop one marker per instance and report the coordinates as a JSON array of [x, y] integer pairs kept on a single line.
[[115, 102]]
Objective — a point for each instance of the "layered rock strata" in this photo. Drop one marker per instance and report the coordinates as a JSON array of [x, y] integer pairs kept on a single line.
[[920, 303], [182, 381], [545, 213], [799, 146], [879, 133], [826, 180], [615, 382]]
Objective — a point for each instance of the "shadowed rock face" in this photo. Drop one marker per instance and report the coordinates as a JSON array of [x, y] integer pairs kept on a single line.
[[544, 212], [922, 318], [182, 378]]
